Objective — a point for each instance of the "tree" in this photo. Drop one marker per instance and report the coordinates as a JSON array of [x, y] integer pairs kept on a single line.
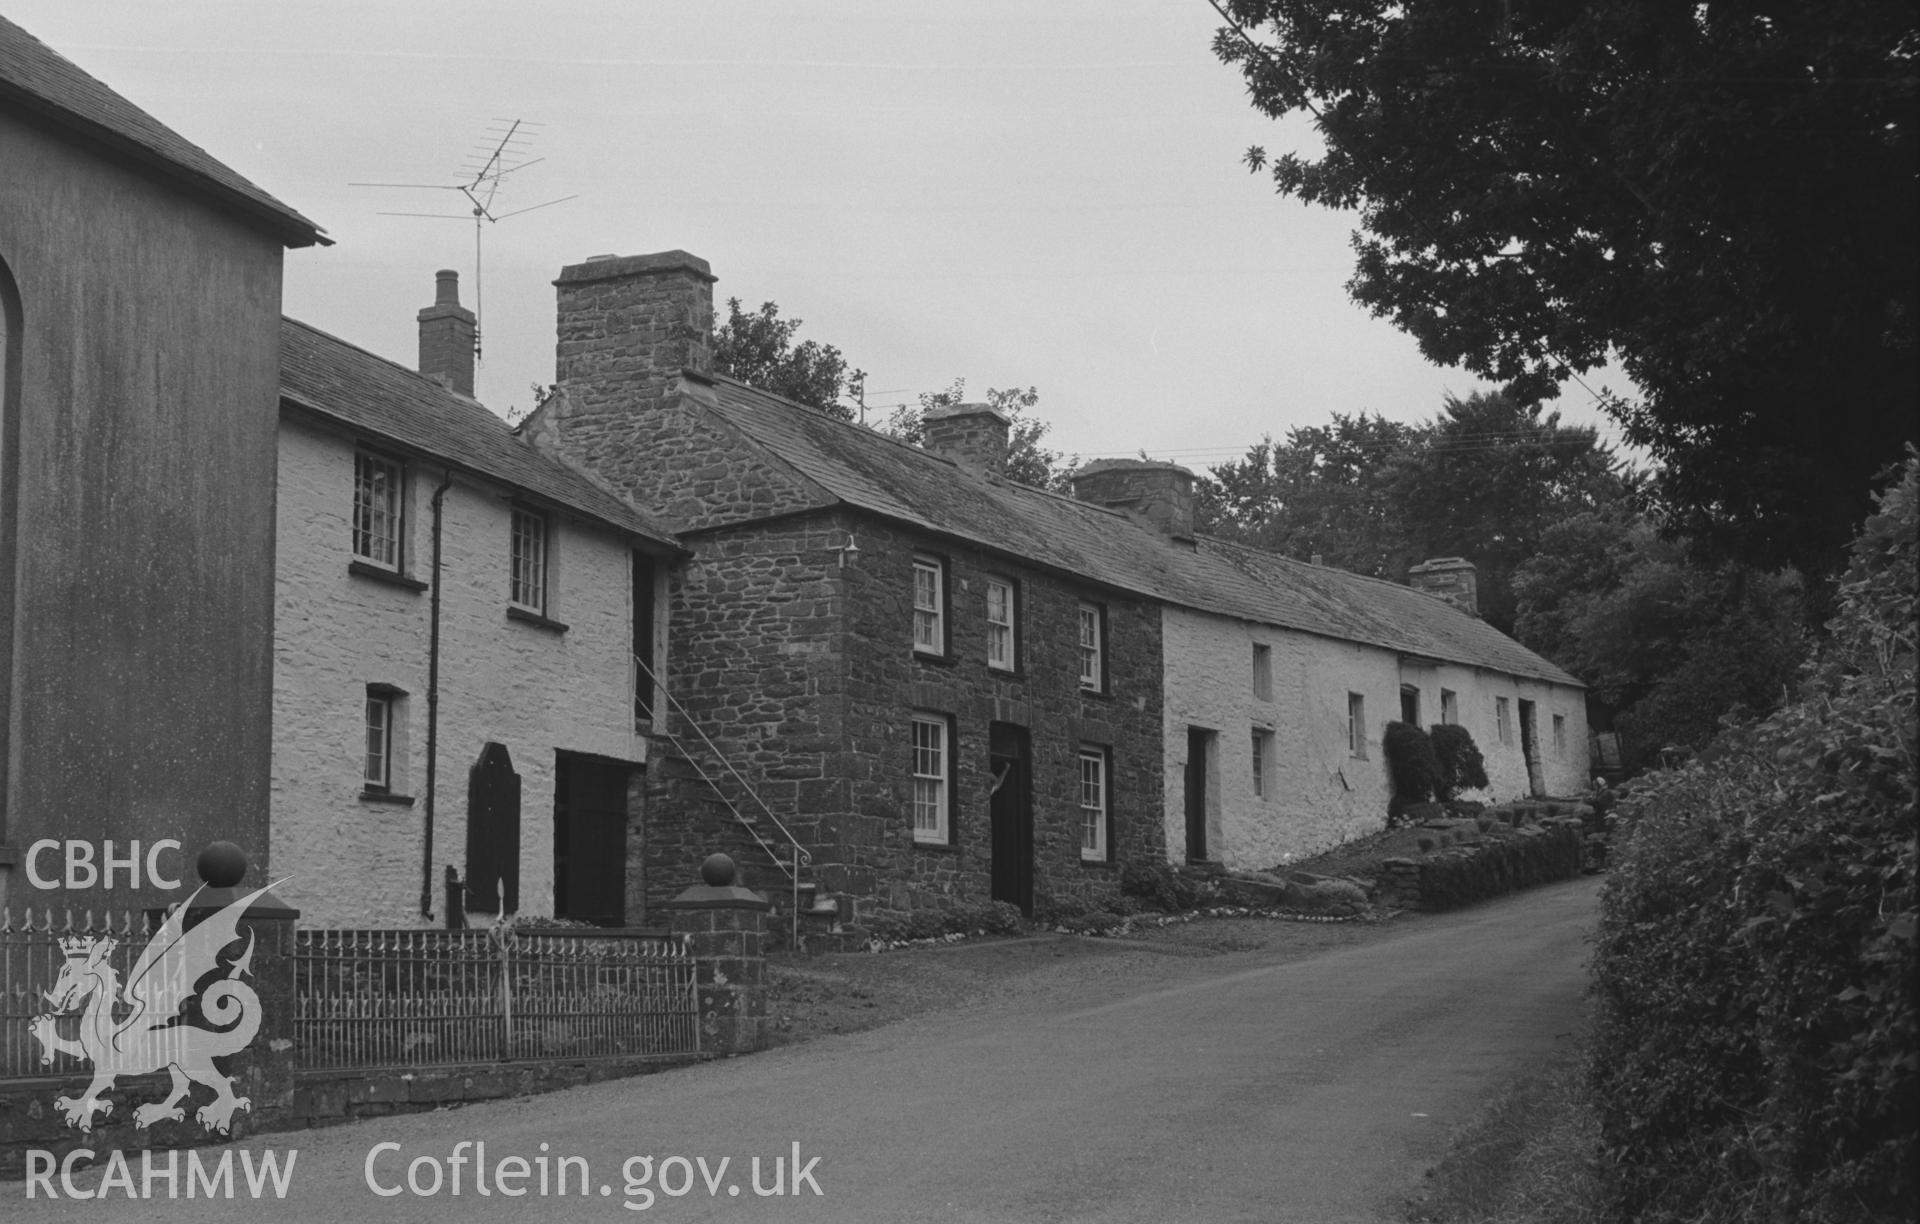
[[1483, 480], [1490, 477], [1028, 461], [758, 348], [1324, 491], [1668, 646], [1720, 195]]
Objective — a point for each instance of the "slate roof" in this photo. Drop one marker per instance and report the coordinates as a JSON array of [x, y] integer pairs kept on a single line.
[[37, 78], [379, 398], [877, 474]]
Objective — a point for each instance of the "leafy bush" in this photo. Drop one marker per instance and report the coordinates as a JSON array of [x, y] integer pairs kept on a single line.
[[1461, 767], [1754, 1053], [1411, 767]]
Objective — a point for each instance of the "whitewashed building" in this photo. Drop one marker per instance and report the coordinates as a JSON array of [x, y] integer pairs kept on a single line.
[[1279, 678], [456, 626]]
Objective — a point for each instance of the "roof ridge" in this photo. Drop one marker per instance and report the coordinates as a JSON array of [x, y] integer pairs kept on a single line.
[[864, 430], [868, 431]]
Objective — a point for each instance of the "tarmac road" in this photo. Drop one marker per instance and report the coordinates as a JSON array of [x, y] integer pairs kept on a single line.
[[1316, 1090]]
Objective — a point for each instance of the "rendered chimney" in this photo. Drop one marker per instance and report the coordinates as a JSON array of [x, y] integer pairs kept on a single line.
[[972, 435], [1157, 491], [446, 335], [1450, 578], [628, 325]]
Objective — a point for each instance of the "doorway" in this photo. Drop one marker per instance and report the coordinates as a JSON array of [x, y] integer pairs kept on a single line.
[[1011, 811], [1199, 790], [493, 833], [590, 839], [1530, 749]]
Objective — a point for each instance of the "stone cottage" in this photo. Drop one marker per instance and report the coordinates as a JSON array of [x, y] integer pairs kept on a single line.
[[928, 674], [1280, 678], [460, 623], [139, 339], [938, 685]]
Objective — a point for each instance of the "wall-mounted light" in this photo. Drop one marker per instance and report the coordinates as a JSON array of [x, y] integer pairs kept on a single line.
[[851, 548]]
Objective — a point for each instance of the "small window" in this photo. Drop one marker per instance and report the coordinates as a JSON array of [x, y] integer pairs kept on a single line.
[[378, 505], [1093, 661], [378, 771], [1449, 707], [1559, 737], [1357, 725], [1000, 624], [1263, 672], [1262, 762], [1094, 839], [929, 606], [529, 579], [1503, 720], [931, 778], [1410, 704]]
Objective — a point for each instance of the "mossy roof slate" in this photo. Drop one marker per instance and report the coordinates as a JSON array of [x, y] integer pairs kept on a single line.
[[381, 399], [39, 79], [880, 475]]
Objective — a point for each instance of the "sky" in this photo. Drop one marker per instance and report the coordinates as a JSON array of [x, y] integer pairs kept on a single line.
[[1017, 194]]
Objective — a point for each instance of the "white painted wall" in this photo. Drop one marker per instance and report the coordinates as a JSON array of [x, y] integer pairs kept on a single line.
[[1318, 793], [355, 862]]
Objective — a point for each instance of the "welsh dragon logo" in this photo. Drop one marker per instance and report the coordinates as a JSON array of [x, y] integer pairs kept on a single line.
[[149, 1031]]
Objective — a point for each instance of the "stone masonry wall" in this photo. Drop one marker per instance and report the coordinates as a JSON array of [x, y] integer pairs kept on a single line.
[[803, 673], [887, 682], [758, 624], [668, 455]]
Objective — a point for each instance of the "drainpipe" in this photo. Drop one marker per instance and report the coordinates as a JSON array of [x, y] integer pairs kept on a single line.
[[433, 701]]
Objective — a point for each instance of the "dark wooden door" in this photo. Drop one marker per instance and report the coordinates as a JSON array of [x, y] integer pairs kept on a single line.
[[493, 833], [1011, 811], [590, 839], [1199, 742]]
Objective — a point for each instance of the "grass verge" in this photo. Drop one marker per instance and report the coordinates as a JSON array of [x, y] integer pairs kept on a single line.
[[1529, 1158]]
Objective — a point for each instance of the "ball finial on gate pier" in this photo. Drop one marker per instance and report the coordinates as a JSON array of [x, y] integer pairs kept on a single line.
[[718, 871], [222, 864]]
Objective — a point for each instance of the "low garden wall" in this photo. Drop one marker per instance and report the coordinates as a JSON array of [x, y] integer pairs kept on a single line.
[[1502, 851]]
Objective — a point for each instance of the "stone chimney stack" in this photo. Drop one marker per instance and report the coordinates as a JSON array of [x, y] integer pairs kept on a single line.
[[446, 335], [628, 325], [972, 435], [1448, 578], [1159, 492]]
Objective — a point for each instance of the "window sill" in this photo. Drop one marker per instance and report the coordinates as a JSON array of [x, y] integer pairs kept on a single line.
[[361, 569], [934, 660], [538, 621], [1099, 862], [1006, 673], [370, 795], [1097, 694], [938, 847]]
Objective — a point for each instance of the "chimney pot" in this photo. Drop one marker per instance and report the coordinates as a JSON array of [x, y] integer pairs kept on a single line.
[[447, 331], [1449, 578], [972, 435], [1157, 491]]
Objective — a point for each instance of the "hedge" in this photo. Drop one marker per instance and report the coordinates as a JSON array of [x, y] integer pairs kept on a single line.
[[1755, 1055]]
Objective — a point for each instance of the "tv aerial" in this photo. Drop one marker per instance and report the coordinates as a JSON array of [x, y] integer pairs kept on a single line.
[[502, 151]]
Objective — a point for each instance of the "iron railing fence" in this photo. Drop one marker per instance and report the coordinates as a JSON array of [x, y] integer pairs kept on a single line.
[[32, 958], [414, 998]]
